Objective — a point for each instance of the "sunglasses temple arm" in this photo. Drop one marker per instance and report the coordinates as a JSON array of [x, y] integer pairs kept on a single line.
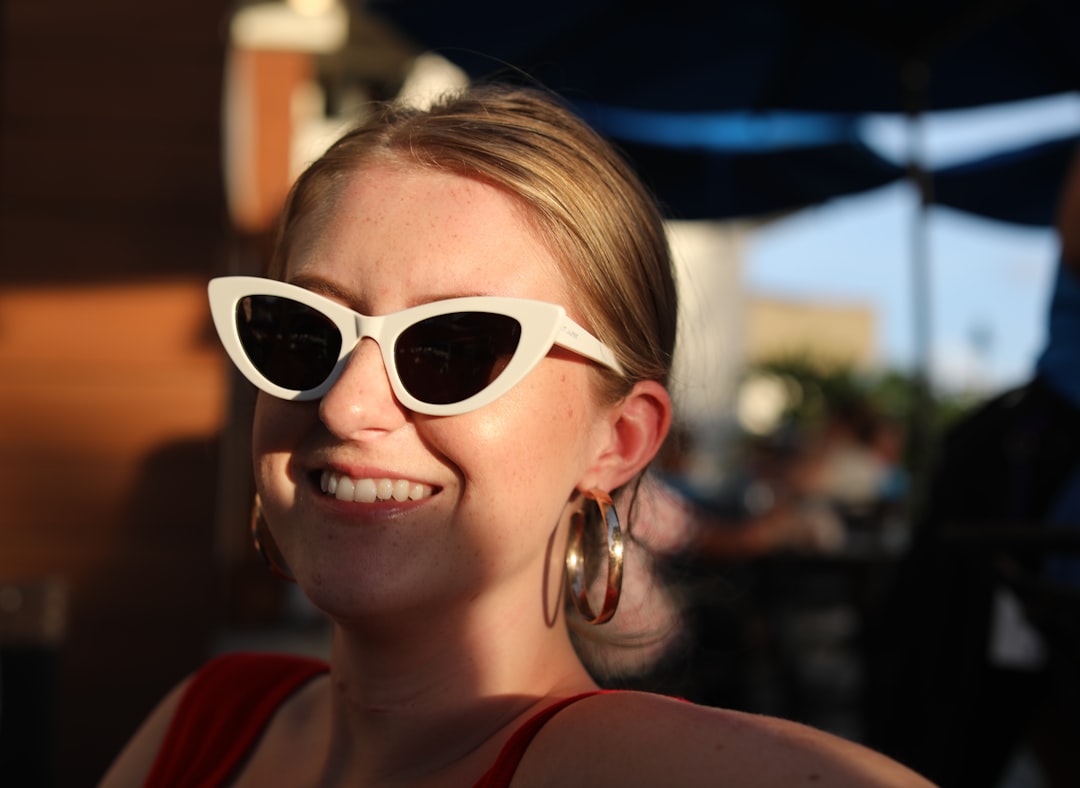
[[573, 337]]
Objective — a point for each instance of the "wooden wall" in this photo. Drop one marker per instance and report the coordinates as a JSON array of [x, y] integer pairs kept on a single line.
[[112, 392]]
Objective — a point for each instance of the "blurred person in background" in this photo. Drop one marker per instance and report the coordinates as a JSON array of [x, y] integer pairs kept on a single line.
[[969, 670]]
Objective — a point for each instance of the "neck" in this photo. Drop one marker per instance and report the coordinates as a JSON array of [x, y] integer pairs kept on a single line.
[[457, 684]]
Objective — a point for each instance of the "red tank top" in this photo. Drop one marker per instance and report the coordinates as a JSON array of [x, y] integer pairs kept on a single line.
[[229, 702]]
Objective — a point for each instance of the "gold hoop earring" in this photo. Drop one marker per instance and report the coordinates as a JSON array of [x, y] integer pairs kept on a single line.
[[265, 545], [575, 557]]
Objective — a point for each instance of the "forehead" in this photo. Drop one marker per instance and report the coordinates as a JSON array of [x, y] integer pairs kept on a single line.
[[394, 228]]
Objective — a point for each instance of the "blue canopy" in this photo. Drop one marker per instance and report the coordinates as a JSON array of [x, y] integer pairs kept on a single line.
[[747, 107]]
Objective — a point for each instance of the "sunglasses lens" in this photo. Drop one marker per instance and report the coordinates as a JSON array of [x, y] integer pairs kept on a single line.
[[449, 358], [291, 344]]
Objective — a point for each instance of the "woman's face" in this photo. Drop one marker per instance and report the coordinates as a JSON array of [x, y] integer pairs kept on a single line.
[[490, 486]]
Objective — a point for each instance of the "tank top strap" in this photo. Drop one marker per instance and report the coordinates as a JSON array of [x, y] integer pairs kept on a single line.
[[502, 771], [222, 714]]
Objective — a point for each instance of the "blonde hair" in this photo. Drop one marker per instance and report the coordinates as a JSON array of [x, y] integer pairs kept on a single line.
[[586, 203]]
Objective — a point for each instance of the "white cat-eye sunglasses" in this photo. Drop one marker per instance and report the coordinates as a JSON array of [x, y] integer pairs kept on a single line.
[[443, 358]]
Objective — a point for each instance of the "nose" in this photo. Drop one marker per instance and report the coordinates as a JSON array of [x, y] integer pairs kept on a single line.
[[361, 401]]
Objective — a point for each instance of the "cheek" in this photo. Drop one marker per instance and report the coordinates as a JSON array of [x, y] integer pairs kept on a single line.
[[277, 429], [537, 436], [277, 424]]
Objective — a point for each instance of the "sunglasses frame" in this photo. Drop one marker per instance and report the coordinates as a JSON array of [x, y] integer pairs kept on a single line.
[[543, 325]]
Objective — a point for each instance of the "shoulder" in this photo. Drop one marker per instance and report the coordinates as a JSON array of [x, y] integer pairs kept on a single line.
[[633, 738], [134, 762], [234, 695]]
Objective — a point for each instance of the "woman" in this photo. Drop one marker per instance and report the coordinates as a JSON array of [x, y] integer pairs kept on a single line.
[[422, 474]]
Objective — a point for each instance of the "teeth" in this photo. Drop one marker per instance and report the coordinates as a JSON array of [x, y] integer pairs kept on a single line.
[[370, 490], [366, 491], [346, 488]]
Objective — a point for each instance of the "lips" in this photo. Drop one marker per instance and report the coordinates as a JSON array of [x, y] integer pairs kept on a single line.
[[370, 490]]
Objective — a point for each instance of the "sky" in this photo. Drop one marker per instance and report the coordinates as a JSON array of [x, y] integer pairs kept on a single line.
[[989, 281]]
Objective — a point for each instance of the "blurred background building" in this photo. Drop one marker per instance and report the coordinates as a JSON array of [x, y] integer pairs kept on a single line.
[[112, 216]]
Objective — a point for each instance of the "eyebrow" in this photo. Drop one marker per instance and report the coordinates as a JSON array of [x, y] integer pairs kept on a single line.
[[323, 287], [327, 288]]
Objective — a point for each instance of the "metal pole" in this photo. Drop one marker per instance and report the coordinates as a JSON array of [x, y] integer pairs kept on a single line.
[[916, 79]]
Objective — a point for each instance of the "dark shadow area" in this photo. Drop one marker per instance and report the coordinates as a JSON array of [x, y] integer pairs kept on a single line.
[[948, 695], [140, 623], [32, 624]]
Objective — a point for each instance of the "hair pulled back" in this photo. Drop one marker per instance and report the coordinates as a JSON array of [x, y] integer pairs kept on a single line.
[[587, 204]]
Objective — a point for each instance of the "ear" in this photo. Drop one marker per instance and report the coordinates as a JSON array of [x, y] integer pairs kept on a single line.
[[637, 427]]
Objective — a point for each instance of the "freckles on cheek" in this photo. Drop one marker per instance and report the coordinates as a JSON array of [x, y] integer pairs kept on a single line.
[[496, 435], [499, 447]]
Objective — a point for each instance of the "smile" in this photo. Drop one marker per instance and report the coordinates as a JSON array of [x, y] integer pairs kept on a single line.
[[370, 490]]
